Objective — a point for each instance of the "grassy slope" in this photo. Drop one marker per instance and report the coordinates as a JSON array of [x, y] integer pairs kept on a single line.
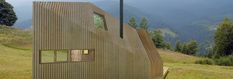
[[15, 53], [15, 38], [16, 64], [15, 61], [183, 67]]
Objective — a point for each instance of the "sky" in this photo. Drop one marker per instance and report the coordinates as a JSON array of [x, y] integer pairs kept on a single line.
[[22, 2]]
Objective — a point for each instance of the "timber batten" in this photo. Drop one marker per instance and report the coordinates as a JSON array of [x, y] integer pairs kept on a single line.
[[70, 26]]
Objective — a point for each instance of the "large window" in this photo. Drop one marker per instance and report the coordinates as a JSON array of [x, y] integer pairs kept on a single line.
[[63, 56], [54, 56], [100, 22]]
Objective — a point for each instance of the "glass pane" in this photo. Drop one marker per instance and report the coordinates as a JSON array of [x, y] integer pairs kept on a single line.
[[62, 55], [76, 55], [47, 56], [99, 21]]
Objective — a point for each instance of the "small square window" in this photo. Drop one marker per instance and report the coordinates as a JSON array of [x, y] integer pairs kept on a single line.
[[85, 52]]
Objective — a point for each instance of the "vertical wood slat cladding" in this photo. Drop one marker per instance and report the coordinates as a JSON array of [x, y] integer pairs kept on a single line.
[[70, 26]]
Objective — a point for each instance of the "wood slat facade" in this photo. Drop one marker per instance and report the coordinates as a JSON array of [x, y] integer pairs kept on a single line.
[[70, 26]]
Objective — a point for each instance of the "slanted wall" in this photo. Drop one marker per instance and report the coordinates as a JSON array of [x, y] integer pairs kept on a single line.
[[156, 63]]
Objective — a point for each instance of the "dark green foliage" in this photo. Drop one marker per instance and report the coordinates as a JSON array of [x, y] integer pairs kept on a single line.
[[144, 23], [205, 61], [133, 23], [158, 38], [192, 47], [168, 46], [185, 49], [224, 38], [2, 0], [7, 14], [225, 61], [222, 52], [189, 48], [222, 61], [178, 46]]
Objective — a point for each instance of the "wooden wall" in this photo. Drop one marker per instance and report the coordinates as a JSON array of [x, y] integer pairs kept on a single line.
[[70, 26]]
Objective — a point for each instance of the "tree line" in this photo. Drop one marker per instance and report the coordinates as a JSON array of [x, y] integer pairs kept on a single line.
[[190, 48], [221, 53]]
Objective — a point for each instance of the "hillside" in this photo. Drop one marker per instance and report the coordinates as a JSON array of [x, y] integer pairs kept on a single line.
[[15, 37], [15, 63], [16, 60], [193, 19]]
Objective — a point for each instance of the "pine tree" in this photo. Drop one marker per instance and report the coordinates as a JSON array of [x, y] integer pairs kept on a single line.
[[7, 14], [144, 24], [158, 39], [133, 23], [192, 47], [224, 38]]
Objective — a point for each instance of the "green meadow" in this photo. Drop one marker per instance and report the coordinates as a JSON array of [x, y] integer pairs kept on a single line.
[[16, 60]]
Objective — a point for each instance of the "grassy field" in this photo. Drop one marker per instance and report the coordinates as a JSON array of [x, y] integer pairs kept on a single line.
[[16, 59], [182, 67], [15, 63]]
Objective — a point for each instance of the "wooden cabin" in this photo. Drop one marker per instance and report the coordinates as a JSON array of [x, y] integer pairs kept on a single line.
[[77, 40]]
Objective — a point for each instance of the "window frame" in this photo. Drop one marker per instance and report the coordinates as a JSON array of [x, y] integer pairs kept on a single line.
[[69, 60], [55, 56], [94, 55]]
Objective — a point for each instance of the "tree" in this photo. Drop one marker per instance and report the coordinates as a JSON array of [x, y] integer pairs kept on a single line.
[[178, 46], [185, 48], [192, 47], [158, 39], [144, 24], [7, 14], [224, 38], [132, 22], [189, 48]]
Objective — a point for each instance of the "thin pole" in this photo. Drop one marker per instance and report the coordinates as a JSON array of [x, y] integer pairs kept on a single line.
[[121, 18]]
